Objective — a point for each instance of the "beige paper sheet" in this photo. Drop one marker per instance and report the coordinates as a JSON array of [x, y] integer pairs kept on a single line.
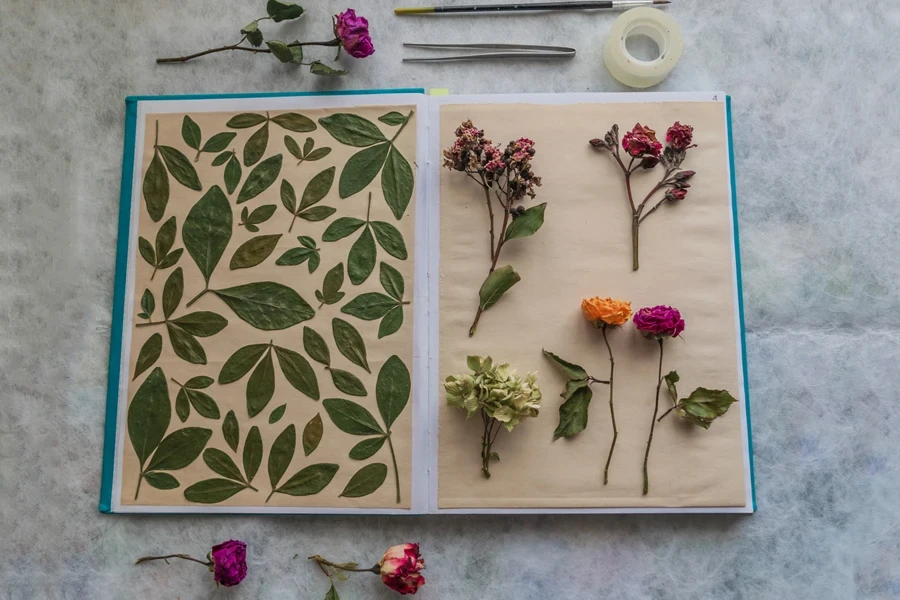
[[335, 444], [584, 250]]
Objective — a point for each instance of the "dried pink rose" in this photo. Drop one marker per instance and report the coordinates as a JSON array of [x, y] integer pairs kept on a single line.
[[353, 32], [680, 136], [659, 322], [229, 562], [641, 141], [400, 568]]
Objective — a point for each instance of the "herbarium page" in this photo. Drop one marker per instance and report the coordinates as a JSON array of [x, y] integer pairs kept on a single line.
[[271, 325], [584, 249]]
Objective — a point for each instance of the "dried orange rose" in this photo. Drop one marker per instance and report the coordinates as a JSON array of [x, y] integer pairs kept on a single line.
[[605, 311]]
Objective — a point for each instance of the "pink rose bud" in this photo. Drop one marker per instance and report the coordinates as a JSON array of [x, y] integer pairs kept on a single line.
[[229, 562], [353, 32], [676, 194], [400, 568], [683, 175]]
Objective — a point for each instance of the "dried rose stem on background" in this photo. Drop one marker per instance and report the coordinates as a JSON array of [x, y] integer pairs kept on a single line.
[[644, 149]]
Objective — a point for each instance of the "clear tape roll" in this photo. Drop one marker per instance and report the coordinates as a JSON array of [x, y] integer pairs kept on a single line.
[[656, 25]]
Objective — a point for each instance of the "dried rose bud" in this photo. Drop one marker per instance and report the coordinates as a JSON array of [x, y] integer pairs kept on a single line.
[[649, 162], [683, 175], [676, 194], [597, 143], [400, 568]]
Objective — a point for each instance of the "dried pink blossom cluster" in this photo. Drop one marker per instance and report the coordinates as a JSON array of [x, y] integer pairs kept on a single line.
[[680, 136], [475, 154], [641, 141]]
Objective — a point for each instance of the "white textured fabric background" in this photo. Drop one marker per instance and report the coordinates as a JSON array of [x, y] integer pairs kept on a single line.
[[815, 121]]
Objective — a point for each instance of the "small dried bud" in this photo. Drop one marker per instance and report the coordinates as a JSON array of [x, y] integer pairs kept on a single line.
[[683, 175], [598, 143], [520, 209], [676, 194], [649, 162]]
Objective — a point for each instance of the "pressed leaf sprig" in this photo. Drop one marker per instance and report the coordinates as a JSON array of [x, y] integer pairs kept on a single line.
[[604, 314], [703, 406], [645, 152], [227, 561], [400, 569], [506, 178], [499, 394], [351, 32]]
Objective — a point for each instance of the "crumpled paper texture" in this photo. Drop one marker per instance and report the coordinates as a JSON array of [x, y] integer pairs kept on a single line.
[[815, 128]]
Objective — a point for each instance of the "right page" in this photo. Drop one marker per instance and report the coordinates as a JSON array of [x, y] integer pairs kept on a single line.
[[584, 249]]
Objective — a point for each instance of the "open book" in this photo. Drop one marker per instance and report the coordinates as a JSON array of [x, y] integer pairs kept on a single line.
[[297, 275]]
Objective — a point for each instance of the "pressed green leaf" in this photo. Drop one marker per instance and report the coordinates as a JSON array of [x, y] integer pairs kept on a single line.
[[392, 389], [497, 284], [309, 480], [331, 286], [156, 188], [392, 281], [280, 51], [221, 159], [361, 260], [352, 130], [261, 385], [313, 262], [185, 345], [221, 464], [341, 228], [211, 491], [391, 322], [231, 431], [165, 238], [288, 196], [703, 406], [240, 363], [201, 323], [308, 145], [317, 188], [255, 37], [350, 343], [190, 132], [295, 256], [369, 306], [317, 213], [182, 406], [161, 481], [315, 346], [294, 122], [390, 239], [573, 413], [233, 173], [277, 414], [332, 594], [146, 250], [260, 178], [199, 383], [312, 434], [266, 305], [170, 259], [393, 118], [149, 414], [253, 451], [281, 454], [283, 11], [245, 120], [254, 251], [261, 214], [397, 183], [361, 169], [173, 291], [347, 382], [365, 481], [218, 142], [180, 167], [298, 372], [255, 148], [319, 68], [148, 303], [203, 404], [179, 449], [351, 417], [527, 223], [318, 154], [207, 230], [293, 148], [671, 379], [571, 370], [367, 448], [148, 354]]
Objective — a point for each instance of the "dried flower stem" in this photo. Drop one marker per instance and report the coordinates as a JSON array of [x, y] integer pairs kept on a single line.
[[342, 566], [168, 556], [496, 243], [491, 429], [183, 59], [653, 422], [612, 410]]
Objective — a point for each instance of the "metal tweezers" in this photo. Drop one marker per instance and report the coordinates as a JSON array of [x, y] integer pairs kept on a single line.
[[511, 51]]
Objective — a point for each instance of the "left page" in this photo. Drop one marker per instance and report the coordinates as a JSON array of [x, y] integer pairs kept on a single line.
[[268, 333]]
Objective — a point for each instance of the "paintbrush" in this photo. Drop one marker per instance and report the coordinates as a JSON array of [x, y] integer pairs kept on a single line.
[[535, 6]]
